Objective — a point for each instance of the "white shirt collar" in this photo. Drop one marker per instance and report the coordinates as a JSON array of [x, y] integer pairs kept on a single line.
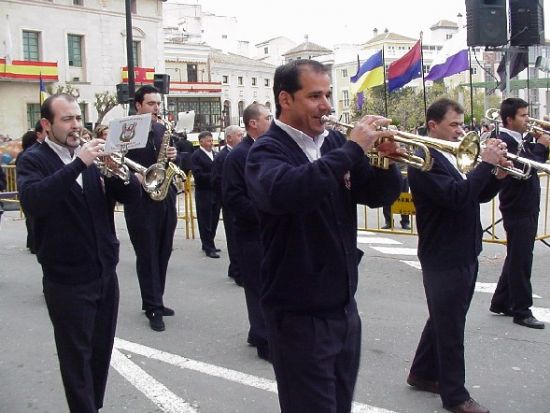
[[210, 154], [65, 155], [518, 137], [311, 146]]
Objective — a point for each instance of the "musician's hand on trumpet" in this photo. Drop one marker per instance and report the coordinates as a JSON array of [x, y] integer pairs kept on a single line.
[[367, 132], [171, 153], [494, 152], [90, 150]]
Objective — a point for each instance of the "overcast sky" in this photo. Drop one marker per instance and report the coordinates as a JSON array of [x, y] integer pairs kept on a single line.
[[340, 21]]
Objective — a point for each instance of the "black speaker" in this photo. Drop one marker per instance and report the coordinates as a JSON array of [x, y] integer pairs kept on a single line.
[[486, 21], [162, 83], [526, 22], [122, 93]]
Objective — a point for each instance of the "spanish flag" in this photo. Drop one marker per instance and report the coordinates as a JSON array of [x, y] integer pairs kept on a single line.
[[43, 93]]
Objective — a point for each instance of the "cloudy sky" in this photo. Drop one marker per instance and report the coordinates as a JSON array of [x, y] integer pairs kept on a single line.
[[340, 21]]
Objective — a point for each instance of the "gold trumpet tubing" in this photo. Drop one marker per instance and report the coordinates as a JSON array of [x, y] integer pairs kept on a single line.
[[424, 164], [539, 166], [541, 124]]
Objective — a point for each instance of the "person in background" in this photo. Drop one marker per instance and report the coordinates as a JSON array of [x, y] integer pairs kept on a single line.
[[233, 136], [208, 207], [151, 223], [519, 205], [449, 242], [246, 227]]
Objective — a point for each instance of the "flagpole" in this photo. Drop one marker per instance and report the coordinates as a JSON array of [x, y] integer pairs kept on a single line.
[[423, 81], [40, 89], [528, 78], [385, 87], [471, 89]]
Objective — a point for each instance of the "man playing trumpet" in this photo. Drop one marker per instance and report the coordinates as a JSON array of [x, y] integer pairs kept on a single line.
[[519, 205], [449, 242], [72, 209]]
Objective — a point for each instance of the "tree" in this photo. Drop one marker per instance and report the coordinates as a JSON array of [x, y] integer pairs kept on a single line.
[[104, 102]]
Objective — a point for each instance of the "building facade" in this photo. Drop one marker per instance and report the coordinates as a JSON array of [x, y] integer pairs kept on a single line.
[[81, 43]]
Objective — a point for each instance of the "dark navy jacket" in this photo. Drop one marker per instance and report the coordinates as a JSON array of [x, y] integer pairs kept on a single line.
[[74, 230], [201, 166], [308, 219], [519, 198], [234, 191], [447, 212], [217, 169]]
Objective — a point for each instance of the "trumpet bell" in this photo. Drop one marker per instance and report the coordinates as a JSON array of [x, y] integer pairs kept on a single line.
[[467, 152]]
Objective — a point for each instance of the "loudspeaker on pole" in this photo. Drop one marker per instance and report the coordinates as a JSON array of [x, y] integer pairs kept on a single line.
[[162, 83], [122, 93], [486, 22], [526, 22]]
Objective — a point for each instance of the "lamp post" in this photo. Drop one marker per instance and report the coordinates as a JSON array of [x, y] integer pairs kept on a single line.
[[130, 58]]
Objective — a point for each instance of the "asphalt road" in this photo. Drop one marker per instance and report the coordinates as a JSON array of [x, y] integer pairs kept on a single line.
[[201, 363]]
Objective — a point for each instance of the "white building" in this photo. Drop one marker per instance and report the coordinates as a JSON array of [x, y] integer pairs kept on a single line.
[[77, 42], [272, 50]]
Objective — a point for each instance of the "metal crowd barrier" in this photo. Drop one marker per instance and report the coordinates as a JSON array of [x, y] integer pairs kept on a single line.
[[493, 232], [9, 197]]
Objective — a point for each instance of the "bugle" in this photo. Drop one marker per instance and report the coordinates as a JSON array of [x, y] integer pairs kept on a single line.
[[465, 151]]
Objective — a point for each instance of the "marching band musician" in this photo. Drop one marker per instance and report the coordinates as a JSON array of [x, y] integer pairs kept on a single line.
[[151, 224], [449, 242], [305, 182], [519, 205], [72, 209]]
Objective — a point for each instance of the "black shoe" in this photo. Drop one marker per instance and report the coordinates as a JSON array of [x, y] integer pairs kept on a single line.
[[418, 383], [405, 226], [155, 320], [217, 250], [167, 312], [239, 282], [530, 322], [212, 254], [498, 310], [387, 226]]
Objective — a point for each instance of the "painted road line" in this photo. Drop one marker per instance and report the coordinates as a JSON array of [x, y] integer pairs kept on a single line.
[[377, 240], [395, 250], [542, 314], [163, 398], [414, 264], [217, 371]]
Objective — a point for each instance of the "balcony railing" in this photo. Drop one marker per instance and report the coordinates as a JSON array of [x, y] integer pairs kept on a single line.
[[28, 70]]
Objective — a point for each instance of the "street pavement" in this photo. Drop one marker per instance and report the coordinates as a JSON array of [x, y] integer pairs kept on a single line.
[[201, 363]]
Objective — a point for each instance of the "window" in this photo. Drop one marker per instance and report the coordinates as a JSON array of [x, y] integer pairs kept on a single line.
[[78, 2], [448, 36], [31, 50], [33, 114], [266, 82], [75, 50], [240, 80], [224, 36], [136, 53], [344, 73], [254, 82], [225, 80], [266, 50], [83, 111], [345, 98], [474, 70], [426, 69], [192, 73]]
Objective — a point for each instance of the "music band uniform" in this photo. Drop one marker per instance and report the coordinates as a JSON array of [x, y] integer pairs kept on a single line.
[[246, 235], [217, 177], [151, 226], [208, 208], [308, 223], [77, 247], [519, 205], [449, 242]]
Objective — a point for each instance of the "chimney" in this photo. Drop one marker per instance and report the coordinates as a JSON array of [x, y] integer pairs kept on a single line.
[[374, 32], [459, 21]]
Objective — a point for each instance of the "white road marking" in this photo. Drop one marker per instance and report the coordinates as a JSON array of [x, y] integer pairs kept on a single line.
[[155, 391], [395, 250], [542, 314], [377, 240], [215, 371], [414, 264]]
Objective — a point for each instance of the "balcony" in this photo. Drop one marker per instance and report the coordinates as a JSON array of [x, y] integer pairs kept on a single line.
[[24, 70], [203, 88]]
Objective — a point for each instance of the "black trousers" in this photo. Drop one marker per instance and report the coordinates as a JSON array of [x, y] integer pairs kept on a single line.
[[440, 352], [233, 249], [514, 290], [316, 360], [251, 253], [386, 209], [84, 320], [208, 212], [151, 226]]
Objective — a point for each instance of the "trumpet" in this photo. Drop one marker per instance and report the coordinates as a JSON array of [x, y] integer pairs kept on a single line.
[[466, 151], [527, 164]]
